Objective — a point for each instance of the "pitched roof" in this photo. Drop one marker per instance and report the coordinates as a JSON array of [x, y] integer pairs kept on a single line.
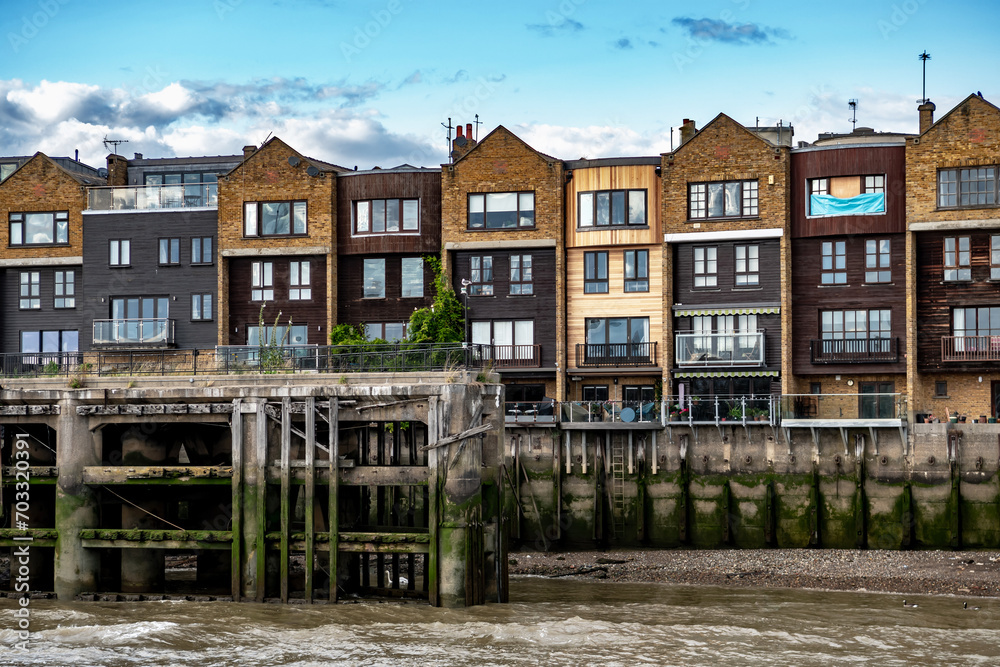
[[718, 119], [82, 179], [498, 128], [319, 164], [955, 108]]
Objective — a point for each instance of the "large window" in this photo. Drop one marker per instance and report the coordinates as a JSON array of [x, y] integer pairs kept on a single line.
[[299, 281], [39, 228], [957, 258], [521, 276], [995, 257], [877, 261], [274, 218], [374, 278], [386, 216], [387, 331], [501, 210], [296, 334], [481, 275], [724, 199], [49, 341], [846, 195], [595, 272], [636, 270], [412, 277], [120, 252], [201, 306], [618, 336], [855, 324], [186, 188], [509, 339], [976, 321], [834, 263], [201, 250], [706, 266], [960, 188], [747, 265], [170, 251], [65, 289], [31, 283], [602, 208], [262, 281]]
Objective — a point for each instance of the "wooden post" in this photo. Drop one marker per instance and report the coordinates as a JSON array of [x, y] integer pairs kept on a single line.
[[286, 438], [334, 483], [433, 435], [310, 492], [261, 498], [236, 568]]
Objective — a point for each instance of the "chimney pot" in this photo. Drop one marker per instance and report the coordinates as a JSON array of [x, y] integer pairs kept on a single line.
[[688, 130], [138, 156], [926, 113], [458, 130], [248, 151], [468, 130]]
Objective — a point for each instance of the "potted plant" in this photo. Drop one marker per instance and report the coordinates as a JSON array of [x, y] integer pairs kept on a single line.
[[736, 412]]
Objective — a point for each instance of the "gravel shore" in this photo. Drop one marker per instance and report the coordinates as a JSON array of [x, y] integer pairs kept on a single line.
[[970, 573]]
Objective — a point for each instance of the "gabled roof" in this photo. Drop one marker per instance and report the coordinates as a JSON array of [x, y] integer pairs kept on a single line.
[[82, 179], [319, 164], [958, 106], [500, 128], [718, 119]]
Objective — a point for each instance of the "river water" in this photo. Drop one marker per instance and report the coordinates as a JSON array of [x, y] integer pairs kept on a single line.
[[550, 622]]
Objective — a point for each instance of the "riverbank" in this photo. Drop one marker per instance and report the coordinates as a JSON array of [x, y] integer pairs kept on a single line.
[[969, 573]]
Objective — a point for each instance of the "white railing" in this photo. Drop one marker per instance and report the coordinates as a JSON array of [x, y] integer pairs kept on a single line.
[[720, 349], [153, 197], [134, 332]]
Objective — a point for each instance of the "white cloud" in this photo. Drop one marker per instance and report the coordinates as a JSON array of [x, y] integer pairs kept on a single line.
[[175, 99], [49, 101], [593, 141]]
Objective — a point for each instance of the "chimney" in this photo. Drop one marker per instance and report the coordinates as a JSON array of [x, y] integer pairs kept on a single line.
[[926, 111], [117, 170], [76, 155], [463, 143], [138, 156], [248, 151], [458, 131], [468, 130], [687, 130]]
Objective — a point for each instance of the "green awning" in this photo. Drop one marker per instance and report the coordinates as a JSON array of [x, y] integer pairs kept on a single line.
[[691, 312], [726, 374]]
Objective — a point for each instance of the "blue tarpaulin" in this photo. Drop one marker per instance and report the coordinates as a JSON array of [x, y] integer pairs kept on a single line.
[[866, 204]]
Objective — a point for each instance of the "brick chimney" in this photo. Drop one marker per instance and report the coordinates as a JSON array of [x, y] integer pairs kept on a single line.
[[117, 170], [463, 143], [248, 151], [926, 111], [688, 130]]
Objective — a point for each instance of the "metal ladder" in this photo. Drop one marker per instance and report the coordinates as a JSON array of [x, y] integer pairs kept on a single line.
[[618, 488]]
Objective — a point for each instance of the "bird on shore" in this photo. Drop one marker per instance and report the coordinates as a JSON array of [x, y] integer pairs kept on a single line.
[[905, 604], [403, 581], [965, 605]]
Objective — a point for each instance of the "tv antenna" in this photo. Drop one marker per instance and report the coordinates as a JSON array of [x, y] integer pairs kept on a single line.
[[449, 127], [112, 144], [477, 123], [924, 57], [853, 104]]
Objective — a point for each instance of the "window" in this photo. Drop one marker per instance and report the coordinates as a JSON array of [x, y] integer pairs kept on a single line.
[[65, 289], [299, 281], [501, 210], [481, 276], [976, 322], [611, 207], [412, 277], [201, 306], [816, 388], [819, 186], [724, 199], [941, 388], [595, 393], [185, 188], [706, 267], [834, 263], [618, 337], [121, 252], [846, 195], [39, 228], [747, 265], [521, 276], [6, 169], [170, 251], [959, 188], [262, 281], [507, 339], [995, 257], [877, 267], [274, 218], [386, 216], [49, 341], [595, 272], [636, 270], [136, 320], [855, 324], [957, 258], [374, 278], [201, 250], [387, 331], [31, 283], [874, 184], [281, 335]]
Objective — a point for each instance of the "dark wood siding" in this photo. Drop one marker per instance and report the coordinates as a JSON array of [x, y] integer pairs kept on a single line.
[[540, 306], [244, 312], [355, 309], [145, 277], [46, 318], [426, 185], [936, 298], [810, 298], [769, 290], [853, 160]]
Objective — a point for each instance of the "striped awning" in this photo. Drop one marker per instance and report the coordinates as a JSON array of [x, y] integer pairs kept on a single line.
[[725, 374], [691, 312]]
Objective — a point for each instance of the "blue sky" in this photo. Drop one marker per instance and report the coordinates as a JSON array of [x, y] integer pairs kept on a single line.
[[369, 83]]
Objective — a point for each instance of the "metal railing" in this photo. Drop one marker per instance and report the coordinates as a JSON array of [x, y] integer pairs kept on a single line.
[[970, 348], [750, 409], [843, 406], [620, 412], [512, 356], [158, 331], [534, 412], [854, 351], [615, 354], [153, 197], [719, 349]]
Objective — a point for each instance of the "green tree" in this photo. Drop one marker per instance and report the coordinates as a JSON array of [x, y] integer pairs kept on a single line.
[[348, 334], [444, 321]]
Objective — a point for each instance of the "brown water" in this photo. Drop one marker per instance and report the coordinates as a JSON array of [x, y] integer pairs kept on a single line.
[[547, 622]]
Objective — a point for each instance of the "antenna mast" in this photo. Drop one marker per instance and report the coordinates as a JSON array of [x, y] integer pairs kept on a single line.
[[478, 123], [112, 144], [924, 57], [853, 104], [449, 127]]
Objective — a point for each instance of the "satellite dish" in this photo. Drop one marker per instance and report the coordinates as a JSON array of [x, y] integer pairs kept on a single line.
[[294, 160], [456, 154], [461, 141], [312, 171]]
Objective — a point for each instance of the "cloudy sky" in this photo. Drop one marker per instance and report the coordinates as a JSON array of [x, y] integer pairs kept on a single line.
[[370, 82]]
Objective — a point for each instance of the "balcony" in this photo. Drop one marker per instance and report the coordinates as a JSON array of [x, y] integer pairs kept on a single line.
[[153, 197], [615, 355], [854, 351], [970, 348], [720, 349], [145, 333], [601, 414], [869, 409], [510, 356]]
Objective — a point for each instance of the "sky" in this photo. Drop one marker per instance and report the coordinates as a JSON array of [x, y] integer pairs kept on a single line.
[[373, 82]]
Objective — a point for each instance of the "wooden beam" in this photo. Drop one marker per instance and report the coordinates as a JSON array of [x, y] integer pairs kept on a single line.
[[236, 564], [430, 568], [488, 426], [152, 474], [261, 495], [310, 492], [286, 443], [334, 504]]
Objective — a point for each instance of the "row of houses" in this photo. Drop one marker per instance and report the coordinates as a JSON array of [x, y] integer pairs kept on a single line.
[[864, 264]]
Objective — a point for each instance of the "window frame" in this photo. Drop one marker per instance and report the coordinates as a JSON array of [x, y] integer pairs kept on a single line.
[[258, 218], [962, 270], [751, 265], [173, 251], [522, 276], [20, 220], [843, 315], [638, 281], [994, 256], [709, 278], [369, 208], [593, 197], [64, 290], [749, 199], [262, 281], [365, 278], [878, 263], [30, 290], [402, 282], [958, 183], [481, 276], [199, 304], [299, 289], [518, 212], [369, 326], [595, 275], [836, 274], [198, 252], [40, 333], [120, 245]]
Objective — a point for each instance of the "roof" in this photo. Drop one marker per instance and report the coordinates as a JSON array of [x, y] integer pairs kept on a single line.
[[940, 120], [523, 142], [718, 119], [613, 162], [81, 178], [401, 169], [319, 164]]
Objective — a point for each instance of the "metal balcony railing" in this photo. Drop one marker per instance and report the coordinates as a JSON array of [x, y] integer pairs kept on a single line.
[[153, 197], [720, 349], [615, 355], [159, 331], [854, 351], [610, 412], [857, 406], [511, 356], [752, 409], [970, 348]]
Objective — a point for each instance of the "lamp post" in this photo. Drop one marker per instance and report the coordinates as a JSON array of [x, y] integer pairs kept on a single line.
[[465, 311]]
